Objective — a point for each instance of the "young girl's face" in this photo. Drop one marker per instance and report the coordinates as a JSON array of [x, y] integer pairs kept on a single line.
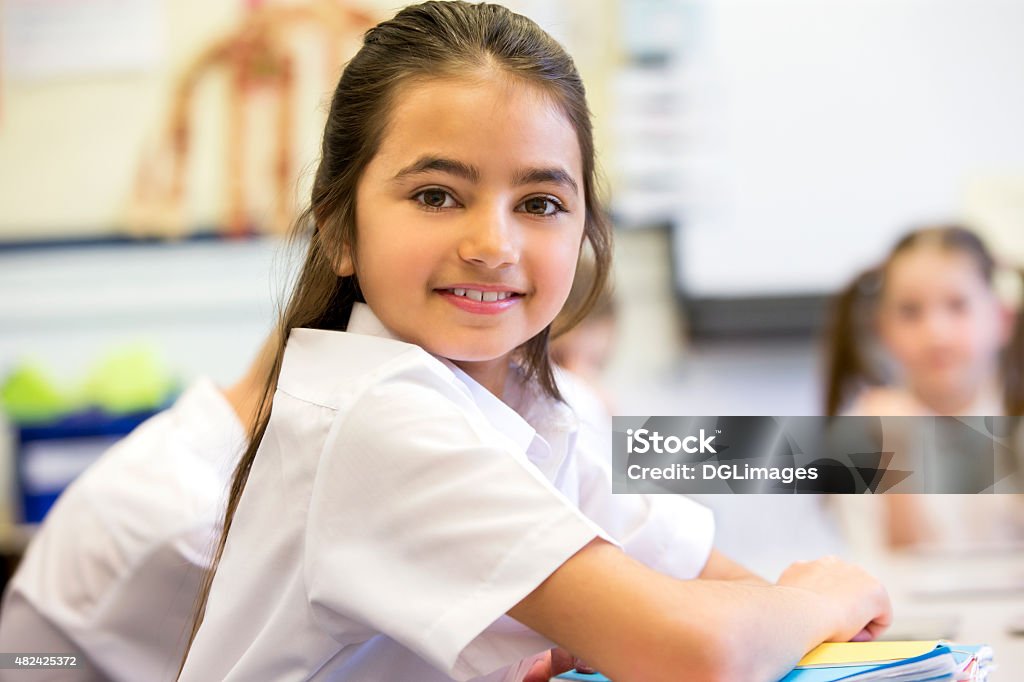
[[941, 321], [469, 219]]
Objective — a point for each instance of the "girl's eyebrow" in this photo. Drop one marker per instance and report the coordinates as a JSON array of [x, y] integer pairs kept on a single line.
[[557, 176], [428, 163]]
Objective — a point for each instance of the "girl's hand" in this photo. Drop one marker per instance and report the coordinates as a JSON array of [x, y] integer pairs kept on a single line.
[[556, 662], [859, 605]]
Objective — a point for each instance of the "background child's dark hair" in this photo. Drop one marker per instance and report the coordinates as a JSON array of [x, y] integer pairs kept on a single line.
[[847, 367], [850, 364], [422, 42]]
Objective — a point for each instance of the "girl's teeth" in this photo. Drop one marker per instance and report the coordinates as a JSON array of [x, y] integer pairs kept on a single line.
[[488, 296]]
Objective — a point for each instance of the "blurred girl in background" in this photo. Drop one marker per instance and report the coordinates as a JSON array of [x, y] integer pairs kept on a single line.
[[934, 329]]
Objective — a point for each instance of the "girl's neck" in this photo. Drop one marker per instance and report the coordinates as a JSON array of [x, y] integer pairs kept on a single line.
[[983, 397], [491, 374]]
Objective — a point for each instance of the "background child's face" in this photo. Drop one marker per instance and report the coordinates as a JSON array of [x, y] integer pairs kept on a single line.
[[940, 320], [475, 192]]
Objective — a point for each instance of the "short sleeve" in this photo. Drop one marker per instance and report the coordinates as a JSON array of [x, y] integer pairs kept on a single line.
[[427, 524]]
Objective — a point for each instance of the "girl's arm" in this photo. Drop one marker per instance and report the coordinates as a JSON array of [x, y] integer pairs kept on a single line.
[[633, 623], [718, 567]]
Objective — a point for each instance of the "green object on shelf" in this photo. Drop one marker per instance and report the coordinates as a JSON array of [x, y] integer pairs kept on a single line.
[[28, 395], [130, 379]]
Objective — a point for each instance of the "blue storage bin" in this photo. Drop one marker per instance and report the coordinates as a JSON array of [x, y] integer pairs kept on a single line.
[[49, 456]]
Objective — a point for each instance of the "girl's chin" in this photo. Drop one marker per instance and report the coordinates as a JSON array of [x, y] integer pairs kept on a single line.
[[472, 350], [951, 387]]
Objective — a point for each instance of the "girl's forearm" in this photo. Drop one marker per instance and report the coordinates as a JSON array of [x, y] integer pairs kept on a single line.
[[634, 624], [761, 631]]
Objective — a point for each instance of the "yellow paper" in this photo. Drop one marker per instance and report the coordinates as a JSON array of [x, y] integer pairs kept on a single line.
[[863, 653]]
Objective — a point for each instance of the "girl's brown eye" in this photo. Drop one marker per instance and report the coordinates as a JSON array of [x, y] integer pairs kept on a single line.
[[540, 206], [434, 197], [536, 205]]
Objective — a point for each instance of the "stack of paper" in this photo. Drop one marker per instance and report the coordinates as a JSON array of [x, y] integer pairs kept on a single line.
[[931, 661]]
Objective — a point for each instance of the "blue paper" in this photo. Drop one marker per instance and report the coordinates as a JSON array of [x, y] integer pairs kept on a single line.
[[582, 677]]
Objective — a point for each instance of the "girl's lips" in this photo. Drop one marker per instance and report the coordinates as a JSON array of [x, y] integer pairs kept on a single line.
[[481, 307]]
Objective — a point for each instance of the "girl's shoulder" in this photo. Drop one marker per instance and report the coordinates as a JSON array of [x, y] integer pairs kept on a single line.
[[886, 401], [323, 367], [334, 369]]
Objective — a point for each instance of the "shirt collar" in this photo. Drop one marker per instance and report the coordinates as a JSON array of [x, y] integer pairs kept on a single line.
[[541, 427]]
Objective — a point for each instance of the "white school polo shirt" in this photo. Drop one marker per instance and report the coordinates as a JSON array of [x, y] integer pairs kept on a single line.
[[115, 567], [395, 511]]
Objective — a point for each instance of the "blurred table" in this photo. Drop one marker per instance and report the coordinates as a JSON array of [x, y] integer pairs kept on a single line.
[[982, 591]]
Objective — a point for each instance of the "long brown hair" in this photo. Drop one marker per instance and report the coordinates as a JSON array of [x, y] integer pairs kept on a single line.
[[849, 364], [430, 40]]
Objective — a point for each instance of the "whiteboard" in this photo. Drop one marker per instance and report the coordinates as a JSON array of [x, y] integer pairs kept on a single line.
[[833, 126]]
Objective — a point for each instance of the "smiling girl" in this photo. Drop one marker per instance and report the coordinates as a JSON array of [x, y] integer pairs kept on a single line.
[[412, 505]]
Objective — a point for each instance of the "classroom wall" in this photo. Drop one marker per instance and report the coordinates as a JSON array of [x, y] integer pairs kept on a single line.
[[71, 142], [69, 148], [833, 127]]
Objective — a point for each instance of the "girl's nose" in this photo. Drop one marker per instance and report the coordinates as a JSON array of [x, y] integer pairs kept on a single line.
[[938, 325], [490, 240]]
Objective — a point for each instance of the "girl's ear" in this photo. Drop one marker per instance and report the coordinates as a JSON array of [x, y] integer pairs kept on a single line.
[[345, 267], [344, 264]]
